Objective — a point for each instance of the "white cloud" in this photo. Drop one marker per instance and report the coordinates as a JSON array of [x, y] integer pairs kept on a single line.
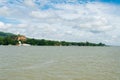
[[4, 10], [95, 22], [4, 26], [29, 3], [22, 25], [41, 14]]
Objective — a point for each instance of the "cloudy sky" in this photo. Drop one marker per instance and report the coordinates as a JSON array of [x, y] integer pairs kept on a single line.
[[69, 20]]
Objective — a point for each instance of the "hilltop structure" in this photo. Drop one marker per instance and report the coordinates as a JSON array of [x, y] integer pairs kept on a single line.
[[21, 39]]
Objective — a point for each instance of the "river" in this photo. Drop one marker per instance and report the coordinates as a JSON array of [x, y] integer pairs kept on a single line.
[[59, 63]]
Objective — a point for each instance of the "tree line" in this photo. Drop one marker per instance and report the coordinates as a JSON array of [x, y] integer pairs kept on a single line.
[[11, 40], [43, 42]]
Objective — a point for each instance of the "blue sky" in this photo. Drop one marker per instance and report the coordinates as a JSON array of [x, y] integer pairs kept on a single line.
[[111, 1], [69, 20]]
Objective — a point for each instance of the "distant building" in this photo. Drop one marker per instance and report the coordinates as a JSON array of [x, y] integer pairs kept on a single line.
[[21, 38]]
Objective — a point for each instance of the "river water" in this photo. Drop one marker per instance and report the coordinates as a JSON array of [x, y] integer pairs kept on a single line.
[[59, 63]]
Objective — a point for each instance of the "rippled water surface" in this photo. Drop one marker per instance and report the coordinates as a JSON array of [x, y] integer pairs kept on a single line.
[[59, 63]]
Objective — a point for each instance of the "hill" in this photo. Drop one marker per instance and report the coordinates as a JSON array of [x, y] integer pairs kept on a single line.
[[3, 34]]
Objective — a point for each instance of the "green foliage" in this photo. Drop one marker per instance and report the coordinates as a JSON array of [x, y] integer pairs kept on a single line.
[[1, 41], [8, 41]]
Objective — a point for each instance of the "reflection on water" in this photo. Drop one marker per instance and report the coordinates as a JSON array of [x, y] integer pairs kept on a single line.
[[59, 63]]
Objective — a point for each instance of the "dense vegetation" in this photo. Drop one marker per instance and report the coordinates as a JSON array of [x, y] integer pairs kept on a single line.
[[10, 39]]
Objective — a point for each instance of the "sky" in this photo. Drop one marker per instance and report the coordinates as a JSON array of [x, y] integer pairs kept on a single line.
[[63, 20]]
